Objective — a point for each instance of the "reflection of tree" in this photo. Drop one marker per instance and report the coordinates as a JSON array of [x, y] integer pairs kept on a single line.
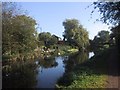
[[20, 75], [75, 59], [70, 63], [48, 62]]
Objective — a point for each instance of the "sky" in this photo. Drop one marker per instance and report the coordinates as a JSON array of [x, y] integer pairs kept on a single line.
[[50, 16]]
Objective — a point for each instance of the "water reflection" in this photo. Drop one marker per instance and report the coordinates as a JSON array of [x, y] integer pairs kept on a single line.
[[47, 77], [75, 59], [48, 62], [19, 75], [43, 73]]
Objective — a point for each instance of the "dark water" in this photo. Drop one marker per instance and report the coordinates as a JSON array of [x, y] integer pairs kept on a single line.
[[41, 73]]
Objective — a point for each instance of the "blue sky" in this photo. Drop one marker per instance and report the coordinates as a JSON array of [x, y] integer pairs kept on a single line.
[[50, 15]]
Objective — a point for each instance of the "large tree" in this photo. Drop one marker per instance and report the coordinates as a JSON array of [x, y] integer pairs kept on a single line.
[[101, 41], [45, 37], [75, 34], [24, 32], [110, 14], [7, 14], [48, 39], [18, 30]]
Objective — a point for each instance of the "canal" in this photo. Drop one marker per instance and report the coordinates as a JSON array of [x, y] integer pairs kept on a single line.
[[41, 73]]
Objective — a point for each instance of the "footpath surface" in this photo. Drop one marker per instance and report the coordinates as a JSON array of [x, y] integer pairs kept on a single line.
[[113, 70]]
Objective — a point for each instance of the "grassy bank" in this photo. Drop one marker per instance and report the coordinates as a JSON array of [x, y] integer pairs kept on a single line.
[[66, 49], [90, 74]]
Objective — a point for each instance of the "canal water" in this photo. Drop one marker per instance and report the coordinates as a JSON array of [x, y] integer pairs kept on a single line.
[[47, 77], [43, 73]]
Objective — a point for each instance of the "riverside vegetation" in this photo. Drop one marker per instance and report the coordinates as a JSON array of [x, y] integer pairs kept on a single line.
[[22, 45]]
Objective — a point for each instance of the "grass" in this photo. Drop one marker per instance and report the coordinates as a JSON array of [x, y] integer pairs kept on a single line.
[[86, 80], [66, 49], [90, 74]]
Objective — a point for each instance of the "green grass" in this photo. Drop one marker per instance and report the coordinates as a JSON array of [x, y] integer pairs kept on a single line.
[[86, 79], [73, 50], [66, 49], [90, 74]]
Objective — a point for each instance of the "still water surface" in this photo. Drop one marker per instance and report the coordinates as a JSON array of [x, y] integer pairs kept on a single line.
[[47, 77], [42, 73]]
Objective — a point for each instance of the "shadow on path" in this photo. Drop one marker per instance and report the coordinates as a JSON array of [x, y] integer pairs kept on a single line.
[[113, 70]]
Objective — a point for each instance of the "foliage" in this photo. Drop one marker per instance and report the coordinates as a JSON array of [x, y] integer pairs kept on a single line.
[[110, 12], [48, 39], [53, 40], [19, 32], [66, 49], [104, 36], [116, 34], [89, 74], [75, 34], [101, 41], [85, 79]]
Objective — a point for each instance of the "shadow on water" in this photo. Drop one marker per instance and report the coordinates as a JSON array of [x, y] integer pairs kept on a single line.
[[75, 59], [48, 62], [19, 75]]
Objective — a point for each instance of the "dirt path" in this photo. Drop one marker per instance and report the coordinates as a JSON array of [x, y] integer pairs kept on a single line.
[[113, 75]]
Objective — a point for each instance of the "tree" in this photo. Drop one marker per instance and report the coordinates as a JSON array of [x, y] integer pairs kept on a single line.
[[104, 36], [110, 12], [24, 32], [116, 34], [19, 32], [75, 34], [101, 41], [48, 39], [45, 36], [53, 40], [7, 13]]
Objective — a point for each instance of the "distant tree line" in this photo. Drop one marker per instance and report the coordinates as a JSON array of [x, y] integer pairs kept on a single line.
[[19, 34], [74, 34]]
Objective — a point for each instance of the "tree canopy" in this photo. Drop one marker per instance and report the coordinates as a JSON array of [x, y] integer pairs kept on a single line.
[[48, 39], [101, 41], [110, 12], [75, 34], [18, 30]]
